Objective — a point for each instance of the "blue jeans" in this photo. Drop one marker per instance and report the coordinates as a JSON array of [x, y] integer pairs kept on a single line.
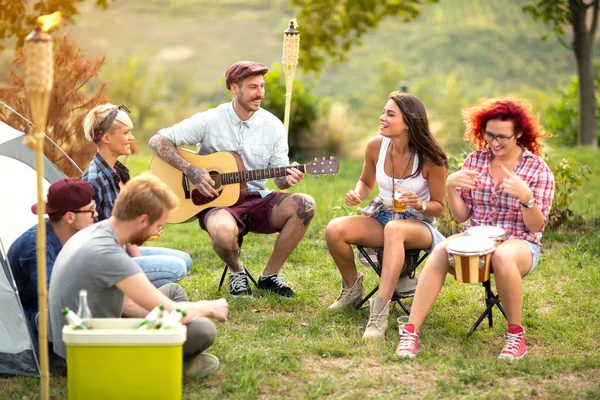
[[162, 265], [535, 255]]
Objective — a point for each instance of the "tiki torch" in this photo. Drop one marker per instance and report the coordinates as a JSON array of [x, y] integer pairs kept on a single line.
[[39, 70], [291, 47]]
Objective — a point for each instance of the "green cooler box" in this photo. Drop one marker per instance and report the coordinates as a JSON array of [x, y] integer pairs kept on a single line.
[[114, 361]]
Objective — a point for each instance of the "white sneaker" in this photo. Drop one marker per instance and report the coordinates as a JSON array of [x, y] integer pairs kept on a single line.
[[349, 295], [378, 319]]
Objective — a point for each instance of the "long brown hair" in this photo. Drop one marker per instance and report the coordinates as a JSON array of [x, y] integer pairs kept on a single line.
[[420, 139]]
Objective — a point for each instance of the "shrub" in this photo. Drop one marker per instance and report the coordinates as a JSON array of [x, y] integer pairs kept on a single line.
[[303, 113], [562, 117], [569, 175], [69, 104]]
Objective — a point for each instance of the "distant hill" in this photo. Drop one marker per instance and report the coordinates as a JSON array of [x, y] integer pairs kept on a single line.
[[471, 48]]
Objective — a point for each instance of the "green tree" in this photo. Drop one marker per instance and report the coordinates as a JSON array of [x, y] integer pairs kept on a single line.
[[304, 112], [582, 17], [329, 28], [17, 17], [561, 116]]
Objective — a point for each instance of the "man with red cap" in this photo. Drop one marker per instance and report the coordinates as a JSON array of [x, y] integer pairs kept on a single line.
[[70, 208], [260, 139]]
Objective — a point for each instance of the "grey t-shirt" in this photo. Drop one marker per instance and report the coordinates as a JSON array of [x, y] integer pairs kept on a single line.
[[93, 260], [261, 140]]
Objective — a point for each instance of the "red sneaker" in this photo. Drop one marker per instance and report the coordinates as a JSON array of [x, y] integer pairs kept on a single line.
[[409, 342], [514, 343]]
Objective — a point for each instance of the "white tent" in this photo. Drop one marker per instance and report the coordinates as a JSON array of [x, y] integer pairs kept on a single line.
[[18, 191]]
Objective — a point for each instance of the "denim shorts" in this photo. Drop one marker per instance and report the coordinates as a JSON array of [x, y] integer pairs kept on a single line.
[[535, 255], [436, 236]]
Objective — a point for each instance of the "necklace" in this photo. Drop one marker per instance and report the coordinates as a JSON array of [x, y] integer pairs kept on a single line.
[[393, 175]]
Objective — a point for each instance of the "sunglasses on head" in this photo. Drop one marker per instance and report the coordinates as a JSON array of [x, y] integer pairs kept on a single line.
[[107, 122]]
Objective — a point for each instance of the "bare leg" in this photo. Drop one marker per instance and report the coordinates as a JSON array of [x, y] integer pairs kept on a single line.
[[293, 216], [511, 261], [430, 284], [223, 231], [398, 236], [345, 231]]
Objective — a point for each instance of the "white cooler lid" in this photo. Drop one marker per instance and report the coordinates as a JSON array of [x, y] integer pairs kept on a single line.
[[119, 331]]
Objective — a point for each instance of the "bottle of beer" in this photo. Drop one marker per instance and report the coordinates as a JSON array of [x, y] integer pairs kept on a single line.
[[175, 318], [83, 311], [73, 320], [152, 319]]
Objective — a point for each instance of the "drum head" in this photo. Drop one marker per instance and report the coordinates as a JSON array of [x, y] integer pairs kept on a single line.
[[466, 245], [486, 231]]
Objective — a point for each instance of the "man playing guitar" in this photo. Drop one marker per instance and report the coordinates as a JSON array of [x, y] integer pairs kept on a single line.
[[260, 139]]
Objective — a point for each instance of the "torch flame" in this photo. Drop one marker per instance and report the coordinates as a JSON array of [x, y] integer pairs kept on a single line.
[[49, 21]]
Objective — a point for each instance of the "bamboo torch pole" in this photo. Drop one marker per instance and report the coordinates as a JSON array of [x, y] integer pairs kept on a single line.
[[39, 69], [291, 47]]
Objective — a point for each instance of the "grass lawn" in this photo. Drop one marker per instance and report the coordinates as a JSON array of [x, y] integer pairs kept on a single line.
[[272, 348]]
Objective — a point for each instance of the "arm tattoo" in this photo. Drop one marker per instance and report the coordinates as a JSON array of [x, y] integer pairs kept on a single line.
[[166, 151], [306, 209]]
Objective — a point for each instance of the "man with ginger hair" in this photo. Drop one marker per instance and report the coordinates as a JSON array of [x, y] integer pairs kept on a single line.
[[94, 260]]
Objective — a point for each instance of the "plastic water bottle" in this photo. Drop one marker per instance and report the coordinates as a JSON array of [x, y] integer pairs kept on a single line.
[[83, 311]]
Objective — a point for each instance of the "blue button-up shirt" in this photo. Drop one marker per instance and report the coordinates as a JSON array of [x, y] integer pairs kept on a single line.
[[261, 140], [105, 182]]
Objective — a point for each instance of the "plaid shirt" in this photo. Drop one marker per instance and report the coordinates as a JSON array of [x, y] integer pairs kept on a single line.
[[105, 182], [489, 205]]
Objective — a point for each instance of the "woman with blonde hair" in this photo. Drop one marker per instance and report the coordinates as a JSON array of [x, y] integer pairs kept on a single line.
[[109, 128]]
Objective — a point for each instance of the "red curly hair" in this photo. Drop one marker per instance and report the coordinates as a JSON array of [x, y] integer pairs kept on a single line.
[[505, 109]]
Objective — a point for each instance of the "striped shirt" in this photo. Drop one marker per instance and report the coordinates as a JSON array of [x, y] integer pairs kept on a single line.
[[105, 182], [492, 206]]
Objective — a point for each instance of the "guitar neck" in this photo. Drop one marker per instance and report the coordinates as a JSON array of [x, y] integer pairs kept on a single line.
[[229, 178]]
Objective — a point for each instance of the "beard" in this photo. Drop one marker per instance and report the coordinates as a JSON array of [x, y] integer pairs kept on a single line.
[[140, 237], [248, 105]]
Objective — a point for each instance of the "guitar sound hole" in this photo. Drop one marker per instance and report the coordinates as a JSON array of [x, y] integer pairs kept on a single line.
[[199, 199]]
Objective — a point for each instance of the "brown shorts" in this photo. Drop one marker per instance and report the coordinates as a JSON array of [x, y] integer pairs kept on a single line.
[[257, 210]]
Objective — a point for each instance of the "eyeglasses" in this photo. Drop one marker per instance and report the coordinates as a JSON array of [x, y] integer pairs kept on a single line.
[[90, 210], [107, 122], [490, 137]]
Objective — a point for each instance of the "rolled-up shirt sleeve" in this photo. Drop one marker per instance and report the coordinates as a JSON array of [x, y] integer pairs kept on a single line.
[[543, 187], [279, 156]]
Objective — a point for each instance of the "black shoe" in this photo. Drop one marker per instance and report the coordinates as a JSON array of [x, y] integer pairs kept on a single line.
[[275, 284], [238, 285]]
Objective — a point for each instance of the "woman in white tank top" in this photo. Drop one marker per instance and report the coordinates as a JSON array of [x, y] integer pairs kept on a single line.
[[405, 154]]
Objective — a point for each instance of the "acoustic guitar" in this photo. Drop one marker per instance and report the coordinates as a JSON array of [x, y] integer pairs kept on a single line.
[[227, 170]]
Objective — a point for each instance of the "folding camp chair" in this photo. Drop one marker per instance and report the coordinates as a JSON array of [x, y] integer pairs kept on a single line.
[[240, 242], [412, 259]]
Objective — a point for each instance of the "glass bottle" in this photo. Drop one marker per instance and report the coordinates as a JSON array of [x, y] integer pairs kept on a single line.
[[83, 311], [73, 320]]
